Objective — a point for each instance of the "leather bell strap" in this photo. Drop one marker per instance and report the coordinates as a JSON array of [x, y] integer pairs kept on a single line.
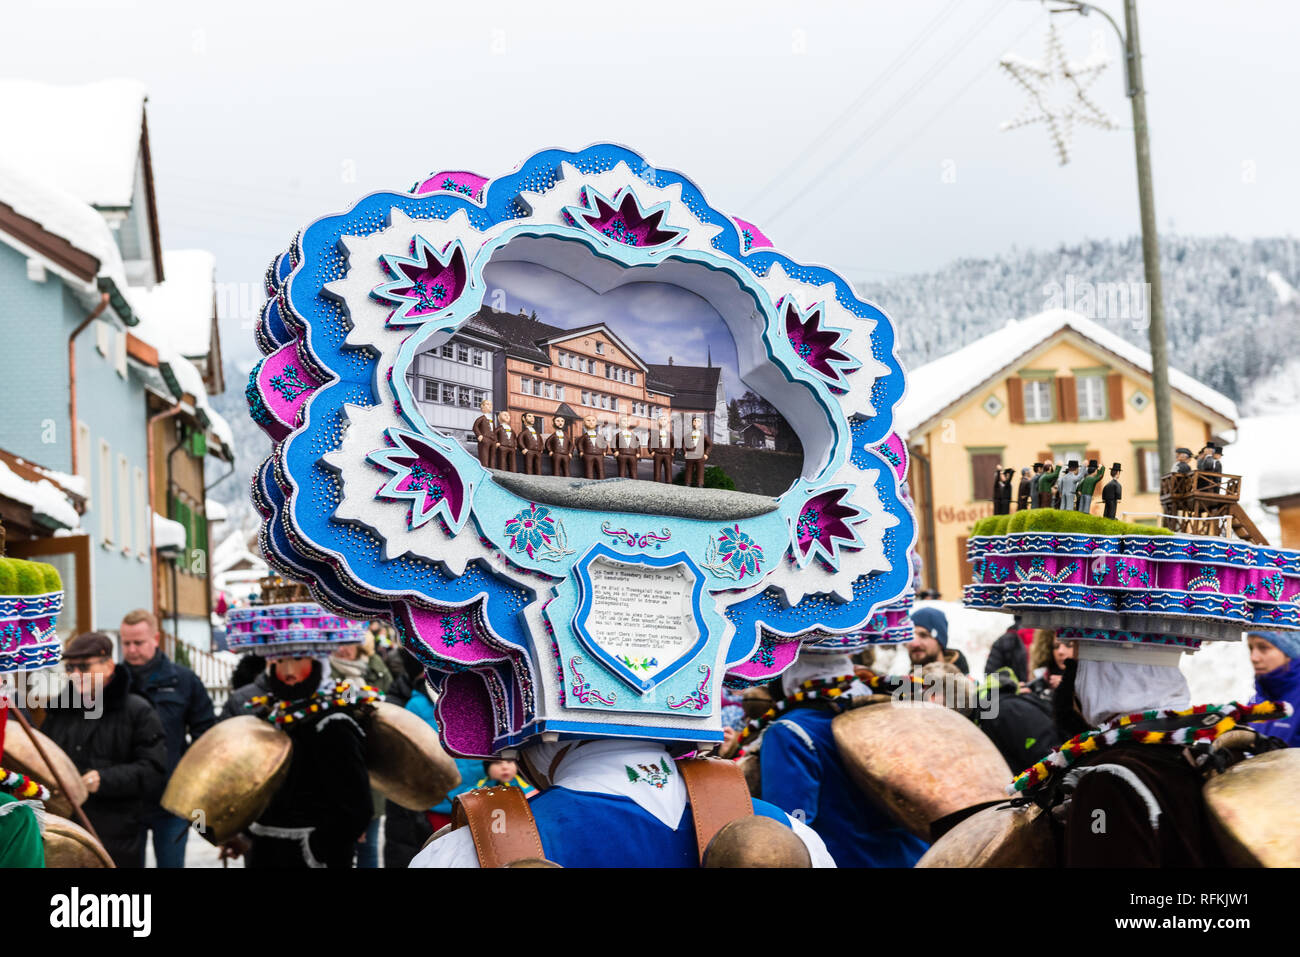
[[500, 823], [718, 796]]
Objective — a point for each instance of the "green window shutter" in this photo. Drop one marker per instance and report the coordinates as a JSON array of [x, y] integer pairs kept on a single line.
[[199, 444]]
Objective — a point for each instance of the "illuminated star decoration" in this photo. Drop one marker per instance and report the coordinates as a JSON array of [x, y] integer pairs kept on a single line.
[[423, 476], [1057, 93], [623, 219], [823, 525], [817, 345], [425, 284]]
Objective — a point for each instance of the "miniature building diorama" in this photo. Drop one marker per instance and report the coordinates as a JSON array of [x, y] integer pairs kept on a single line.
[[1052, 388]]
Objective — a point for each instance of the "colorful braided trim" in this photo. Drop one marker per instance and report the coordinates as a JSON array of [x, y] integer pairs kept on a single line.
[[21, 786], [1158, 726], [343, 695]]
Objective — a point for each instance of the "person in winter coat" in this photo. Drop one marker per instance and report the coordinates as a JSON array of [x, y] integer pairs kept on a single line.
[[116, 740], [1009, 651], [1020, 724], [804, 775], [241, 694], [184, 707], [1047, 677], [1274, 656], [931, 641], [324, 803]]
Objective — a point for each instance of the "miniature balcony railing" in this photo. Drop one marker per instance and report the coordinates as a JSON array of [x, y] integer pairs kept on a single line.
[[1189, 490]]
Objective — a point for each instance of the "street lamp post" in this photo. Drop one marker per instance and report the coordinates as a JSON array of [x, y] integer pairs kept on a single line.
[[1147, 203]]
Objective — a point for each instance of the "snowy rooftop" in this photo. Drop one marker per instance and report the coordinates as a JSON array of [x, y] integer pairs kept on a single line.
[[86, 136], [46, 499], [61, 213], [936, 385], [168, 533], [185, 300]]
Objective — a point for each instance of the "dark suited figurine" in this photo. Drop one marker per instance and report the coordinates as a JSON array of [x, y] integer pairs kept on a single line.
[[592, 449], [697, 445], [627, 448], [661, 449], [559, 448], [1184, 464], [505, 443], [483, 435], [1112, 493], [1025, 492], [1002, 491], [530, 443]]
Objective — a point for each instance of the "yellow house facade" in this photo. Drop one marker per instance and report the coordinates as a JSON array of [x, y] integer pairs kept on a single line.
[[1054, 387]]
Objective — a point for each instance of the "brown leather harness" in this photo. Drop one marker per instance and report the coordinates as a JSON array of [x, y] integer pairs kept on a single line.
[[504, 830]]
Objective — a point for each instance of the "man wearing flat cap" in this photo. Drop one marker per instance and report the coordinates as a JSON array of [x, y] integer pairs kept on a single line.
[[1184, 464], [116, 740]]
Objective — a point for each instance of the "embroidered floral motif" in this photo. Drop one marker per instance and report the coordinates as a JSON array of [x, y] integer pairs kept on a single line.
[[534, 532], [582, 689], [1206, 579], [638, 664], [733, 554], [456, 629], [288, 383], [655, 775]]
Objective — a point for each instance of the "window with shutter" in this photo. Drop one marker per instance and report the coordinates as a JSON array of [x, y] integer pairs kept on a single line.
[[1115, 395], [983, 466], [105, 504], [1015, 400], [124, 502], [141, 514], [1037, 400], [1090, 397], [1067, 406]]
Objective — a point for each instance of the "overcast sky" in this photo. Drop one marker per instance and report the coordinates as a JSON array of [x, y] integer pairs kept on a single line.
[[860, 135]]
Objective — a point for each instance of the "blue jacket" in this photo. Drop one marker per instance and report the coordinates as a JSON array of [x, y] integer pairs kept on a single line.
[[180, 699], [471, 769], [1282, 684], [804, 776]]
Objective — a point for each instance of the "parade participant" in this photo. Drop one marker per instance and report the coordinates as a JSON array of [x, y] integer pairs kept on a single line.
[[117, 742], [324, 804], [559, 448], [803, 772], [1088, 485], [628, 448], [21, 804], [531, 444], [591, 446], [1002, 491], [1274, 655], [661, 449], [931, 641], [1046, 483], [698, 445], [184, 707], [504, 440], [483, 435], [607, 684], [1069, 484], [1112, 493], [1024, 494]]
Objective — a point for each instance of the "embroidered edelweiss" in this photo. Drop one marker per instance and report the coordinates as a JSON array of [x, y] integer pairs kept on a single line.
[[817, 344], [425, 284], [654, 775], [1206, 579], [623, 219]]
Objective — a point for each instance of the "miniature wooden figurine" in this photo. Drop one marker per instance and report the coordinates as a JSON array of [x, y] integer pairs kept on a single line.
[[559, 448], [661, 449], [628, 448], [1112, 493], [1022, 492], [1002, 491], [1184, 464], [483, 435], [592, 449], [1046, 481], [1088, 484], [1069, 484], [505, 443], [530, 443], [697, 445]]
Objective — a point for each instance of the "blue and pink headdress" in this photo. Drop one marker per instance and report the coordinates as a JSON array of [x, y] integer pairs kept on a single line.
[[512, 603]]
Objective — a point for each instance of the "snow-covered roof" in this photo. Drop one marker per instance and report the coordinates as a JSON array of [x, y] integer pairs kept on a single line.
[[185, 300], [215, 511], [153, 329], [44, 497], [61, 213], [231, 551], [168, 533], [938, 384], [85, 136]]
